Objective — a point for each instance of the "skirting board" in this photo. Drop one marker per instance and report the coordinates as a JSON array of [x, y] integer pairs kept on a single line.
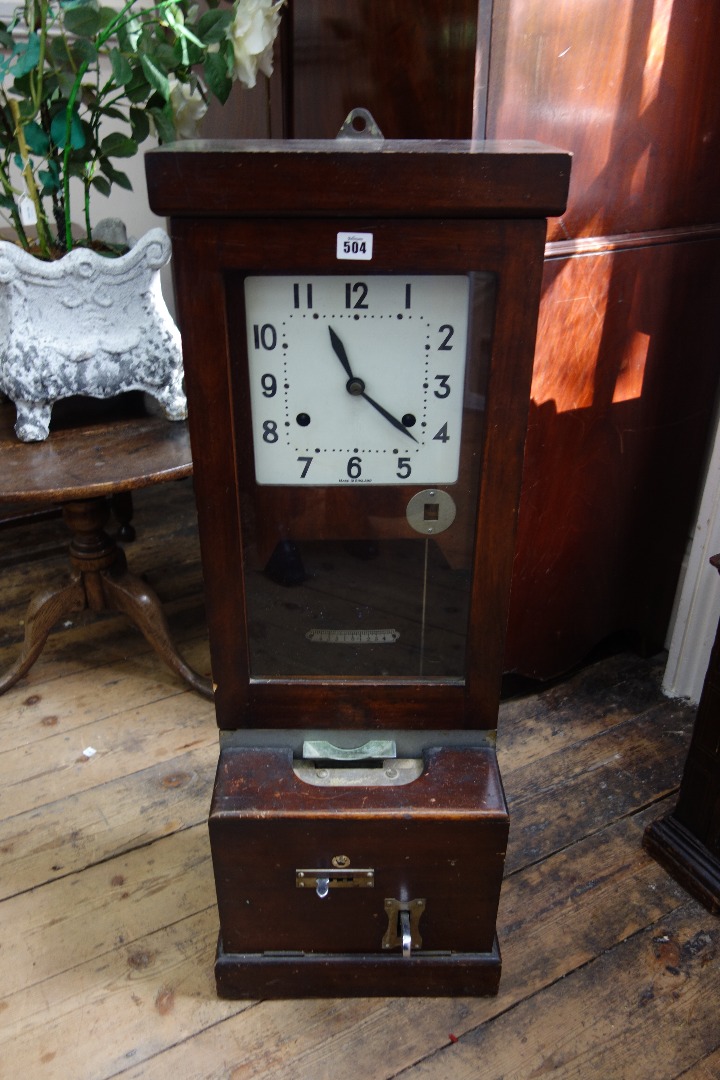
[[686, 859]]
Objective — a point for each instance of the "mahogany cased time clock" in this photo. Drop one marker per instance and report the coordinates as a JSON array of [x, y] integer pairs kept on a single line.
[[358, 321]]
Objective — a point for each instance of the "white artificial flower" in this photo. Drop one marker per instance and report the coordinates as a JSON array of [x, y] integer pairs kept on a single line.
[[252, 33], [188, 106]]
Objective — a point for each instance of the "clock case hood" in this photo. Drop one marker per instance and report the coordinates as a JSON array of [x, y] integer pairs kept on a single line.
[[274, 207]]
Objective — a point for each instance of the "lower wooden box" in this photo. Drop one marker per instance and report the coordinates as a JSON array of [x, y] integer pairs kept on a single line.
[[358, 890]]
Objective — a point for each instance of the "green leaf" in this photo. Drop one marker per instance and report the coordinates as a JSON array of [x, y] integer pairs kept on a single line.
[[65, 82], [164, 56], [7, 202], [77, 167], [37, 139], [57, 47], [128, 34], [107, 15], [122, 72], [138, 89], [213, 26], [80, 158], [157, 78], [113, 113], [115, 176], [90, 135], [58, 129], [28, 54], [164, 123], [118, 145], [217, 76], [103, 186], [67, 56], [83, 20], [83, 52], [187, 53], [50, 181], [139, 124]]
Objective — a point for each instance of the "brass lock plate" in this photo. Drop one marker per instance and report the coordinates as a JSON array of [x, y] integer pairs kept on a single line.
[[403, 924]]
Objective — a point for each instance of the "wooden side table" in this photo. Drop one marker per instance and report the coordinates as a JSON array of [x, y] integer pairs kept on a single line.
[[686, 842], [79, 466]]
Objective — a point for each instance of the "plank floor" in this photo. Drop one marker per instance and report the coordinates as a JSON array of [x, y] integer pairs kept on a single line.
[[107, 913]]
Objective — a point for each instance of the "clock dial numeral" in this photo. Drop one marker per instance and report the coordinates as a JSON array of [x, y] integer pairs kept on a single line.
[[449, 332], [408, 296], [269, 385], [442, 435], [444, 390], [307, 462], [298, 293], [354, 468], [270, 431], [404, 468], [356, 295], [265, 336]]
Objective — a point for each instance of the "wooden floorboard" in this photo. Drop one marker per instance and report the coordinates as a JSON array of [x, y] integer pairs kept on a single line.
[[108, 923]]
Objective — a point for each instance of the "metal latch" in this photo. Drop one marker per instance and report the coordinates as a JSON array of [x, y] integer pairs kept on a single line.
[[403, 925], [325, 879]]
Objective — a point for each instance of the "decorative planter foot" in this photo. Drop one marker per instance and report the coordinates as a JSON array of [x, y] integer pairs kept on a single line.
[[33, 420]]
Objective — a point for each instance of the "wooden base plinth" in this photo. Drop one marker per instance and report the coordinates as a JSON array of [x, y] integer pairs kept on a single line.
[[686, 859], [331, 975], [313, 879]]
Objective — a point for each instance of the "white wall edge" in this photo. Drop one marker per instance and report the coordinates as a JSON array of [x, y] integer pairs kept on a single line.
[[698, 605]]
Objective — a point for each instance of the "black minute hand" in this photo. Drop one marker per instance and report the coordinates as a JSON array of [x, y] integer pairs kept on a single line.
[[383, 412]]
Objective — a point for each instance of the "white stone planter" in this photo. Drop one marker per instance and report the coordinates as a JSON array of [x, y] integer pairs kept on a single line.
[[86, 324]]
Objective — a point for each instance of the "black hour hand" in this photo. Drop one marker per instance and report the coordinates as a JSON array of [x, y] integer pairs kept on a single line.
[[339, 350]]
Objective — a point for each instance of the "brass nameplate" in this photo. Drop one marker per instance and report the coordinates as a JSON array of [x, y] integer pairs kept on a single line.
[[353, 637]]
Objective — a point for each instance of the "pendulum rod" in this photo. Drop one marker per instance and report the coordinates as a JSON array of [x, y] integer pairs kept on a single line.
[[424, 607]]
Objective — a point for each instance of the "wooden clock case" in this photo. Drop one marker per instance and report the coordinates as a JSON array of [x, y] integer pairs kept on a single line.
[[413, 871]]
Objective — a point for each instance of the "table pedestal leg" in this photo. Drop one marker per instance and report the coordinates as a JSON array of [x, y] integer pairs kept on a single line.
[[102, 582], [45, 609]]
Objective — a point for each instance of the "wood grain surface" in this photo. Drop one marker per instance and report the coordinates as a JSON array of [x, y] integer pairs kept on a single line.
[[108, 921]]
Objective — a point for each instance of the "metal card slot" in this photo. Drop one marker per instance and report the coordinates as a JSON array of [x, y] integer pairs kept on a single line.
[[372, 750], [393, 772]]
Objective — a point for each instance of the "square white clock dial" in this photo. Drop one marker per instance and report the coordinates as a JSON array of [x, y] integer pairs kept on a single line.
[[357, 379]]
